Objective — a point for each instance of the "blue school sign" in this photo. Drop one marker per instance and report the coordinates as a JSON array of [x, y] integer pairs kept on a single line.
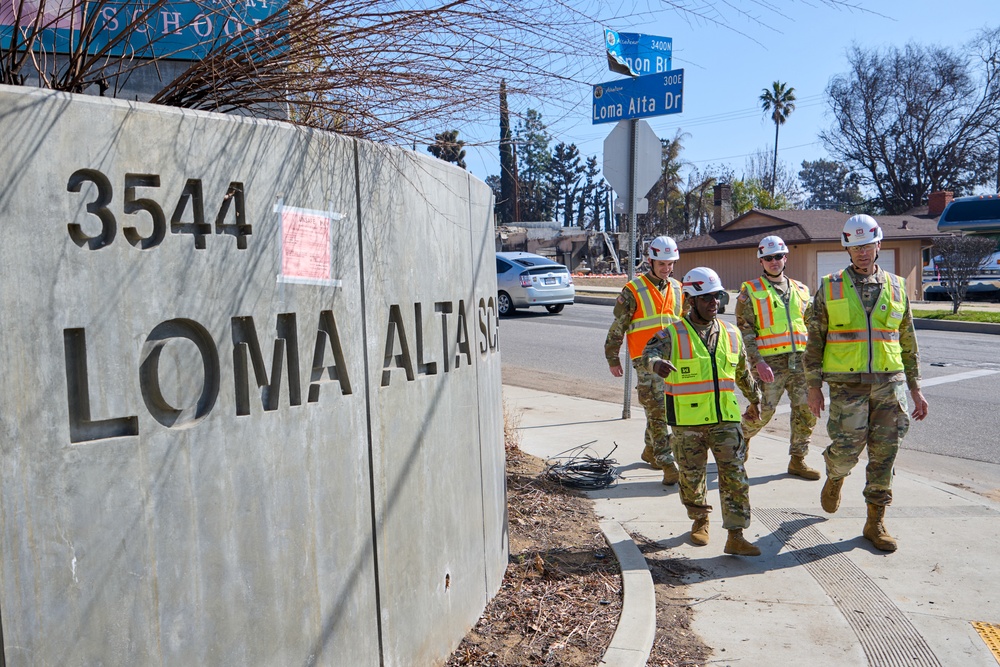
[[176, 29]]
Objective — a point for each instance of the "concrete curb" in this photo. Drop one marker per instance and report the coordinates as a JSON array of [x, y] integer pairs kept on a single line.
[[633, 638], [949, 325], [595, 300]]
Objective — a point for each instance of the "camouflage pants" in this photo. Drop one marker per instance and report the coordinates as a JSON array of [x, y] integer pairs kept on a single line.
[[650, 390], [802, 421], [872, 415], [725, 440]]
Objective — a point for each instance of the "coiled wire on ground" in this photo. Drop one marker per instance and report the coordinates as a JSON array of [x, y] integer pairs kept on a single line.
[[583, 471]]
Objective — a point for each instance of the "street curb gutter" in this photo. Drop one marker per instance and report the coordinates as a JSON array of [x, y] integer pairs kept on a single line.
[[595, 300], [633, 638], [918, 322], [949, 325]]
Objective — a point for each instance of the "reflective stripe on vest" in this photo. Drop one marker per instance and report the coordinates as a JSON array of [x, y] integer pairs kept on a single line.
[[857, 342], [695, 394], [779, 329], [653, 311]]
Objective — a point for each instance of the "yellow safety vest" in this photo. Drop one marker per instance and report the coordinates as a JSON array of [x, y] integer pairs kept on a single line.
[[857, 342], [653, 311], [779, 329], [703, 388]]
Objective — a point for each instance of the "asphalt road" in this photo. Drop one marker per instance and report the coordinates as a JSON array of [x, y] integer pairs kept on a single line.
[[957, 443]]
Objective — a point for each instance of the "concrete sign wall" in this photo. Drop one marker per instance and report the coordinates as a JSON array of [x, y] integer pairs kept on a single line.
[[252, 392]]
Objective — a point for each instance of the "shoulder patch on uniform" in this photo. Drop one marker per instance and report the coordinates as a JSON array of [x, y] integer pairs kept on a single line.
[[621, 299], [662, 333], [743, 296]]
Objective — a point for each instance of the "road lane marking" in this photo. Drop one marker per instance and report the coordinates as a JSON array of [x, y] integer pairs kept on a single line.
[[957, 377], [785, 408]]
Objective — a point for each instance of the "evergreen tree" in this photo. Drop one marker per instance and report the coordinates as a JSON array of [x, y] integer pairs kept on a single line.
[[588, 216], [565, 171], [507, 200], [533, 159], [831, 185]]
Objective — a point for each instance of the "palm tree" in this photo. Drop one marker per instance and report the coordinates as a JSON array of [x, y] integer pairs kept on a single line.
[[448, 147], [780, 101]]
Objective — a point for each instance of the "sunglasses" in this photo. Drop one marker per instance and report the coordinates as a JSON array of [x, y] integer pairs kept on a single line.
[[771, 258], [714, 296]]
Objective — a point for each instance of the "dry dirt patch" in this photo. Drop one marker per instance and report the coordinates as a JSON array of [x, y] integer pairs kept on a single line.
[[561, 596]]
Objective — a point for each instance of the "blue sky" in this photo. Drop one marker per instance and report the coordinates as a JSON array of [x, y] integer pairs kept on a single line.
[[727, 68]]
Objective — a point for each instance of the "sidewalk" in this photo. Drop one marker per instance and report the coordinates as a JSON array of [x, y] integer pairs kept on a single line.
[[820, 594]]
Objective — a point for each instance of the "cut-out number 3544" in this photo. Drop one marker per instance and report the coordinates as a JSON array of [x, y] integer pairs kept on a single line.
[[233, 206]]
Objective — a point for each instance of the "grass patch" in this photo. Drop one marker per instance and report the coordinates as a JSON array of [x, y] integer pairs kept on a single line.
[[962, 316]]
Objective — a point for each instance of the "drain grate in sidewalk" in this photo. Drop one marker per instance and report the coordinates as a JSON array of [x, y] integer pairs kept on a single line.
[[884, 632], [990, 632]]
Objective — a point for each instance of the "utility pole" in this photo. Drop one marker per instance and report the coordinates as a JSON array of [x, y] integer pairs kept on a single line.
[[998, 162]]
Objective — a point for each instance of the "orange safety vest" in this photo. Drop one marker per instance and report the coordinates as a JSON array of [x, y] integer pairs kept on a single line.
[[653, 311]]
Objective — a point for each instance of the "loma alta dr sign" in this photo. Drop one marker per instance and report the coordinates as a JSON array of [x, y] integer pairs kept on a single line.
[[641, 97]]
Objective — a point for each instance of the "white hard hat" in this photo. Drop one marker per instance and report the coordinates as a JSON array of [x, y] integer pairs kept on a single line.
[[860, 230], [702, 280], [771, 245], [663, 248]]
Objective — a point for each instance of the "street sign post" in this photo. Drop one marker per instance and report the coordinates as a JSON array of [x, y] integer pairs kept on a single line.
[[635, 54], [642, 97], [632, 155], [631, 99]]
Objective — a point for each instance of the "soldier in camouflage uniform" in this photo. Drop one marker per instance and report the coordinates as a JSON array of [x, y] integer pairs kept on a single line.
[[862, 342], [645, 306], [769, 314], [703, 361]]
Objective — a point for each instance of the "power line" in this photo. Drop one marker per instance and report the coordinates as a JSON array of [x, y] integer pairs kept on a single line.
[[732, 157], [701, 121]]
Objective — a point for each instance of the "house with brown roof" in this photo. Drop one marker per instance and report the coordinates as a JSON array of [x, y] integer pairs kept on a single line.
[[813, 240]]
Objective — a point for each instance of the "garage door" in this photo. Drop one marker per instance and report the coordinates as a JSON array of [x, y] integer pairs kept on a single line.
[[833, 261]]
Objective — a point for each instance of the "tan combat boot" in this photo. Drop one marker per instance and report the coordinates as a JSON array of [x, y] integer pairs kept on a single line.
[[829, 498], [699, 531], [649, 457], [875, 531], [670, 474], [738, 546], [797, 466]]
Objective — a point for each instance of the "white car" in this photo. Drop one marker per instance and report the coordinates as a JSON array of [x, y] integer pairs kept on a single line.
[[525, 279]]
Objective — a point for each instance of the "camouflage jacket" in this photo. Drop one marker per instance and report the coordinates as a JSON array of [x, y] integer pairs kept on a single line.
[[817, 321], [658, 349]]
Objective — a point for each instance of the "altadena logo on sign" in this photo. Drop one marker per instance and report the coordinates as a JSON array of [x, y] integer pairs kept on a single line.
[[173, 30]]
